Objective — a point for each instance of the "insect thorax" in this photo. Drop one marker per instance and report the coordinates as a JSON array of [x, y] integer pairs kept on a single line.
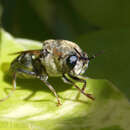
[[55, 60]]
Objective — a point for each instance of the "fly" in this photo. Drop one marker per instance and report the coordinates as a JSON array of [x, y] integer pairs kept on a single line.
[[57, 58]]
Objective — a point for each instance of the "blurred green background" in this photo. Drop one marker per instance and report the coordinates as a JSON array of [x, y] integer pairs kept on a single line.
[[95, 25]]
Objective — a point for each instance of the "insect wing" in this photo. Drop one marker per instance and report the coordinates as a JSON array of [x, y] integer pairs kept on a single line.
[[35, 52]]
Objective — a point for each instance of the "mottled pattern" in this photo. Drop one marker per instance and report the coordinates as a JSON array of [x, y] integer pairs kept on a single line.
[[51, 60], [55, 61]]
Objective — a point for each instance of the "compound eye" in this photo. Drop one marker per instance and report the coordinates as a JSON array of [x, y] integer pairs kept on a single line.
[[71, 61]]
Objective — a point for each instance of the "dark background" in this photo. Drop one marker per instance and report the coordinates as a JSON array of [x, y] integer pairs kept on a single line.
[[44, 19], [95, 25]]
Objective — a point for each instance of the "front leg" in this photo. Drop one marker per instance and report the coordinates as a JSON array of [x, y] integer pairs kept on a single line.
[[82, 80], [81, 90], [79, 79]]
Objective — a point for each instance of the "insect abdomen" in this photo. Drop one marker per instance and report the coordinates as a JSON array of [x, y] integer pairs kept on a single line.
[[21, 63]]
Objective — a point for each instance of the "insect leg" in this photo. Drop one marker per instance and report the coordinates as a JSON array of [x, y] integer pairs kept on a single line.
[[14, 81], [52, 89], [13, 89], [27, 72], [82, 91], [80, 80], [42, 75]]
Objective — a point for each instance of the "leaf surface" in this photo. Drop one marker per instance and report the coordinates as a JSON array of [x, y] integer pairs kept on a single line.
[[32, 106]]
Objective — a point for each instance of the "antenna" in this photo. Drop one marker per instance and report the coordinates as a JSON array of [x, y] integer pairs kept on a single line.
[[93, 57]]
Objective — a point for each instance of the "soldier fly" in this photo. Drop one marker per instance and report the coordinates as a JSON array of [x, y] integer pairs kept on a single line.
[[57, 58]]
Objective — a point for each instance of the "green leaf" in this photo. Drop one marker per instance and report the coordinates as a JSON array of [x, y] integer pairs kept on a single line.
[[32, 106]]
